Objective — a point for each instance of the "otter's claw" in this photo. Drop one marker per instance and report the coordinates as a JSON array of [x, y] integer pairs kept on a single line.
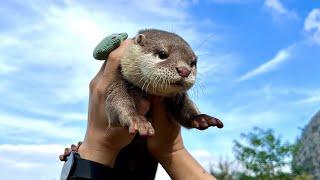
[[204, 121], [142, 125]]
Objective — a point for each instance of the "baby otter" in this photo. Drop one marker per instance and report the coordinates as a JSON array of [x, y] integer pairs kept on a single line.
[[157, 63]]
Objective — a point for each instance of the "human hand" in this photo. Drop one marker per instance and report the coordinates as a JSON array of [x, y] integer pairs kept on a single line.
[[102, 143], [167, 146], [167, 138], [67, 151]]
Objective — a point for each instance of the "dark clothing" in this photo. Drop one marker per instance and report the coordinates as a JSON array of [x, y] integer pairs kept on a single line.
[[134, 162], [85, 169]]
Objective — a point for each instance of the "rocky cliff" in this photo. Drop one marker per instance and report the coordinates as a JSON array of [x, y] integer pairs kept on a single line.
[[308, 156]]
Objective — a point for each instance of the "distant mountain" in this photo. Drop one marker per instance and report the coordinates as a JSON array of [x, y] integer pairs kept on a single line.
[[308, 156]]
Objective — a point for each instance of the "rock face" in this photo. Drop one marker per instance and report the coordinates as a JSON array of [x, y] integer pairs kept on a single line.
[[308, 156]]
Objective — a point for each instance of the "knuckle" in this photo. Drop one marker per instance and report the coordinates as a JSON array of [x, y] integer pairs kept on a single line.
[[113, 56], [92, 85], [100, 91], [96, 89]]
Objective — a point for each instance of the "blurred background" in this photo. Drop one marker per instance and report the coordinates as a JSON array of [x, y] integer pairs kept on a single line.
[[258, 67]]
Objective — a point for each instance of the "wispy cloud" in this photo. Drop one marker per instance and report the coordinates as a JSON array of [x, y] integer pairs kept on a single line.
[[19, 161], [312, 25], [272, 64], [315, 99], [32, 148], [216, 67], [7, 68], [21, 164], [29, 149], [11, 124], [277, 9]]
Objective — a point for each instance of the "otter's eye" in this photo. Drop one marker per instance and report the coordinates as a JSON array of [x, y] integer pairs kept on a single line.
[[162, 55], [193, 63]]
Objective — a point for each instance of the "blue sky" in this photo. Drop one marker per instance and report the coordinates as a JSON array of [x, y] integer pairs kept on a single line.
[[258, 66]]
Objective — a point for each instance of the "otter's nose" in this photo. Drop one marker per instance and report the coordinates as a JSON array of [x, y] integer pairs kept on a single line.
[[183, 71]]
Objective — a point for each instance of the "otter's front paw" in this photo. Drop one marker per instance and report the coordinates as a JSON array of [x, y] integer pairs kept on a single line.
[[204, 121], [142, 125]]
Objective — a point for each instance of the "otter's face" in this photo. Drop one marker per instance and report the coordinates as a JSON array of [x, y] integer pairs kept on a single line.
[[160, 63]]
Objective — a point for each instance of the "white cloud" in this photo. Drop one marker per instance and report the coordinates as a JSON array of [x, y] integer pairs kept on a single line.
[[29, 150], [23, 161], [272, 64], [21, 164], [11, 125], [312, 25], [277, 9], [65, 38], [7, 68], [315, 99], [212, 69], [204, 157], [32, 148], [164, 8]]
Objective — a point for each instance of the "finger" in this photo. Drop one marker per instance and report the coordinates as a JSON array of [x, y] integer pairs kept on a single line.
[[143, 106], [156, 99], [160, 118], [67, 151], [73, 147], [158, 109], [78, 145], [114, 58], [95, 80], [62, 157], [111, 66]]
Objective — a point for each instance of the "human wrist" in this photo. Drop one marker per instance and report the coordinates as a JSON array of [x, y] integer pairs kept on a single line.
[[181, 165], [102, 155], [162, 154]]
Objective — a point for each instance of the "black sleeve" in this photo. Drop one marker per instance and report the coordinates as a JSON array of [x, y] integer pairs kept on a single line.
[[86, 169]]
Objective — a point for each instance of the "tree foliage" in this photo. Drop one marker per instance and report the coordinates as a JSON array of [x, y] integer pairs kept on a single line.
[[224, 170], [263, 156]]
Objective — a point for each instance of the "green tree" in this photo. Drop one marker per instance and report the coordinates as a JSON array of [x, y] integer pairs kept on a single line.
[[224, 170], [264, 156]]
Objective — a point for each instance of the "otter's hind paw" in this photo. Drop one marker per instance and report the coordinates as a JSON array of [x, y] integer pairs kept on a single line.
[[142, 125], [204, 121]]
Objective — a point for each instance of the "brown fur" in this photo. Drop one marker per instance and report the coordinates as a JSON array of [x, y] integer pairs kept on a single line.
[[150, 66]]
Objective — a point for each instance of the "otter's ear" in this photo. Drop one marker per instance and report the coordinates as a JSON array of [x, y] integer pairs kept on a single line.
[[140, 39]]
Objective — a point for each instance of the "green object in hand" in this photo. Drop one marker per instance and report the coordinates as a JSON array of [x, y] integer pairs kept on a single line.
[[108, 44]]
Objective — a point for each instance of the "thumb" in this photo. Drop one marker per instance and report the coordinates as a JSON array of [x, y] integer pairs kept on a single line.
[[160, 116], [158, 106]]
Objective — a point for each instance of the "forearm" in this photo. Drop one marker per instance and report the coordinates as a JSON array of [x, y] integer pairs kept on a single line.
[[106, 156], [181, 165]]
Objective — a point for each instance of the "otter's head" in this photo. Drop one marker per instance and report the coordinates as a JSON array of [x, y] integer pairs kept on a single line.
[[160, 63]]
